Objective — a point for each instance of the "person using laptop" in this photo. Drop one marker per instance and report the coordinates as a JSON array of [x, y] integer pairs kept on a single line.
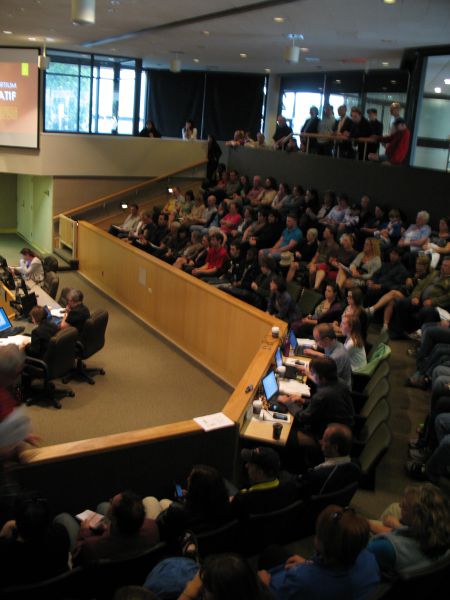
[[30, 267], [40, 336], [76, 312]]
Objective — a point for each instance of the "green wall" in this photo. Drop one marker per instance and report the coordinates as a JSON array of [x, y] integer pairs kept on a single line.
[[35, 210], [8, 202]]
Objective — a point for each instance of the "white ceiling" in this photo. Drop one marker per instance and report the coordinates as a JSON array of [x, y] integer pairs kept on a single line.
[[343, 34]]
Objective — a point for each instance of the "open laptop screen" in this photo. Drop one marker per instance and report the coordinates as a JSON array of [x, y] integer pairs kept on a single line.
[[278, 358], [4, 321], [293, 341], [270, 385]]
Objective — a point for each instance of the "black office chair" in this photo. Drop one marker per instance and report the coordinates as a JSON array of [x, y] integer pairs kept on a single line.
[[220, 540], [50, 263], [92, 339], [68, 585], [51, 283], [38, 374], [108, 575]]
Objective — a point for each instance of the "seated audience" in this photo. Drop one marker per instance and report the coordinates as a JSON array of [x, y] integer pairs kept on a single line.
[[337, 213], [391, 276], [76, 313], [325, 338], [420, 537], [124, 532], [309, 210], [32, 548], [195, 253], [215, 258], [341, 567], [438, 244], [41, 334], [30, 267], [437, 464], [280, 303], [189, 132], [255, 192], [129, 225], [254, 286], [355, 310], [269, 193], [231, 220], [303, 256], [265, 492], [397, 144], [289, 240], [326, 250], [389, 233], [363, 267], [344, 256], [327, 311], [149, 130], [196, 213], [354, 341], [417, 234]]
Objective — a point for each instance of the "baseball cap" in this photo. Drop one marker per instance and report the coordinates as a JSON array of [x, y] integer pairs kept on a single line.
[[266, 458]]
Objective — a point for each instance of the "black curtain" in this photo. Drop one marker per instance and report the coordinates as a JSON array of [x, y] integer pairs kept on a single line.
[[174, 98], [233, 101]]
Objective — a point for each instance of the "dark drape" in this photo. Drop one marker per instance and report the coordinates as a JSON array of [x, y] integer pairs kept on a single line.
[[233, 101], [174, 98]]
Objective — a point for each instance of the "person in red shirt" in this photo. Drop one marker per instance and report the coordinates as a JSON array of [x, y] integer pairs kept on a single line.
[[232, 219], [214, 259], [397, 144]]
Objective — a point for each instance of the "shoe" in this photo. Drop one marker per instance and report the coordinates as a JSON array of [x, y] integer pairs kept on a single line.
[[416, 470], [420, 454], [412, 351], [369, 311], [416, 335], [189, 546]]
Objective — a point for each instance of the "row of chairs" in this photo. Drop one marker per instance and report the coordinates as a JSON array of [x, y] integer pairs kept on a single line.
[[65, 350]]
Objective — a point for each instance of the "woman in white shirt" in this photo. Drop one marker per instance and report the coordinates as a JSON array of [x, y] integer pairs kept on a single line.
[[30, 267], [189, 132], [354, 343]]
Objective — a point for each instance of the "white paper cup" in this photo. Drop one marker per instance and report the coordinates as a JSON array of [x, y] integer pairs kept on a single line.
[[275, 332]]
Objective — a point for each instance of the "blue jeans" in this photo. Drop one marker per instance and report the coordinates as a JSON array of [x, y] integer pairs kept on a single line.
[[439, 462]]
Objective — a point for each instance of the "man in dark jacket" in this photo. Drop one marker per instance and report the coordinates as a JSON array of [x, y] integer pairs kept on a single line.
[[40, 336], [391, 276]]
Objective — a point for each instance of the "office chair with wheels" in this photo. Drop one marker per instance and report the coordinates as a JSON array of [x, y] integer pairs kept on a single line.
[[38, 375], [92, 339], [51, 284]]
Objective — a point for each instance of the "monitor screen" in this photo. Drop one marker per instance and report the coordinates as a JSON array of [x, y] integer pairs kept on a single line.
[[278, 358], [270, 385], [293, 340], [4, 321]]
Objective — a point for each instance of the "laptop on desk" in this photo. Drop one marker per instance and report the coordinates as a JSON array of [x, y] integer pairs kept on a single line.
[[289, 364], [272, 389], [6, 329]]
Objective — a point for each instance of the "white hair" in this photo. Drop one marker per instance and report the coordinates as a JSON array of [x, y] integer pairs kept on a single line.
[[425, 215]]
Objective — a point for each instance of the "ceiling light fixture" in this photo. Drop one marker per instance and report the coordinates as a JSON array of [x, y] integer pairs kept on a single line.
[[338, 81], [447, 81], [43, 60], [243, 55], [205, 32], [83, 12], [175, 64], [278, 19], [196, 60], [389, 1], [437, 90], [267, 70], [32, 39], [304, 49]]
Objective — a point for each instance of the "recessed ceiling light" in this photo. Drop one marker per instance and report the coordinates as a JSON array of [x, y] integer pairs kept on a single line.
[[446, 81], [267, 70], [389, 1], [295, 36], [243, 55], [196, 60], [278, 19], [385, 63], [437, 90], [32, 39], [338, 81], [205, 32], [304, 49], [393, 81]]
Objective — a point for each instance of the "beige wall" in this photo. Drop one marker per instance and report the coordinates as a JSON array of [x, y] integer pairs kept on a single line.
[[34, 211], [101, 156], [273, 93], [8, 202]]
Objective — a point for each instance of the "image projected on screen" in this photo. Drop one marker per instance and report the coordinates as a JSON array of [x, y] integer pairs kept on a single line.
[[19, 98]]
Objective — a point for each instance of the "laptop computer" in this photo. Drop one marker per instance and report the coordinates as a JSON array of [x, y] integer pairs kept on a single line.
[[291, 371], [6, 329], [271, 391]]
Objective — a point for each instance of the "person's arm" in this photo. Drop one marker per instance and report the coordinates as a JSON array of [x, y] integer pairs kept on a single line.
[[373, 266], [193, 589], [384, 553]]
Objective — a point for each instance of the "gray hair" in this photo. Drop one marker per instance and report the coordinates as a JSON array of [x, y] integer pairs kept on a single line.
[[425, 215], [11, 363], [75, 296]]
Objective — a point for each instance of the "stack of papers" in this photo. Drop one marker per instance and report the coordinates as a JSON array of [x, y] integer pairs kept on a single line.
[[215, 421], [18, 340], [292, 386], [58, 312]]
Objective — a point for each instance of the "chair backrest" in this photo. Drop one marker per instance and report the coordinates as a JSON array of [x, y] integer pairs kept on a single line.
[[381, 353], [381, 372], [219, 540], [374, 450], [294, 289], [383, 338], [62, 300], [308, 301], [431, 581], [380, 414], [50, 263], [378, 393], [276, 527], [107, 575], [71, 584], [61, 352], [51, 283], [92, 337]]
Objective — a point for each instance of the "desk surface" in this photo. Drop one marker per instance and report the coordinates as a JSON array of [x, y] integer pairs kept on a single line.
[[255, 429], [43, 299]]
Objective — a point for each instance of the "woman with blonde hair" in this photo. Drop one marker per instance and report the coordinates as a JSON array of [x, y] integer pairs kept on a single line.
[[354, 341], [363, 267], [420, 537]]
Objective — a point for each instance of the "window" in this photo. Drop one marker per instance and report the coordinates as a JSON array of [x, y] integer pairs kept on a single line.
[[296, 107]]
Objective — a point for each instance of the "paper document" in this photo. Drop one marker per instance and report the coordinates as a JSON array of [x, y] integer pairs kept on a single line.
[[291, 386], [307, 343], [18, 340], [58, 312], [444, 315], [94, 518], [215, 421]]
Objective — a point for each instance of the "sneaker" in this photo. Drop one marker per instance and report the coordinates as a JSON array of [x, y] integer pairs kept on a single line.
[[416, 470], [417, 382], [416, 335], [420, 454], [385, 327]]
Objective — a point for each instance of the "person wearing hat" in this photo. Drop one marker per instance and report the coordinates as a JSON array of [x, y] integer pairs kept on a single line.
[[265, 492], [376, 127]]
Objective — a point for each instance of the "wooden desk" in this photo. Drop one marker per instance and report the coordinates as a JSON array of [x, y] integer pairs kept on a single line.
[[261, 431], [43, 299], [6, 296]]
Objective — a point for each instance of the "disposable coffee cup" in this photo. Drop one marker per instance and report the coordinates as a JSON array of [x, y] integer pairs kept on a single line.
[[257, 407], [281, 371], [275, 332], [277, 428]]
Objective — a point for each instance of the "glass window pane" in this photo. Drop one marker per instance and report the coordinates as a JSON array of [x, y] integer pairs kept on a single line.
[[85, 92], [63, 68], [61, 103], [143, 99], [303, 102], [435, 118]]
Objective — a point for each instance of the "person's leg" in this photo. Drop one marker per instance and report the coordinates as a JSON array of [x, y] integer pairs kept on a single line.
[[385, 300], [320, 276], [71, 525], [103, 508], [432, 334], [439, 462], [153, 507], [340, 279]]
